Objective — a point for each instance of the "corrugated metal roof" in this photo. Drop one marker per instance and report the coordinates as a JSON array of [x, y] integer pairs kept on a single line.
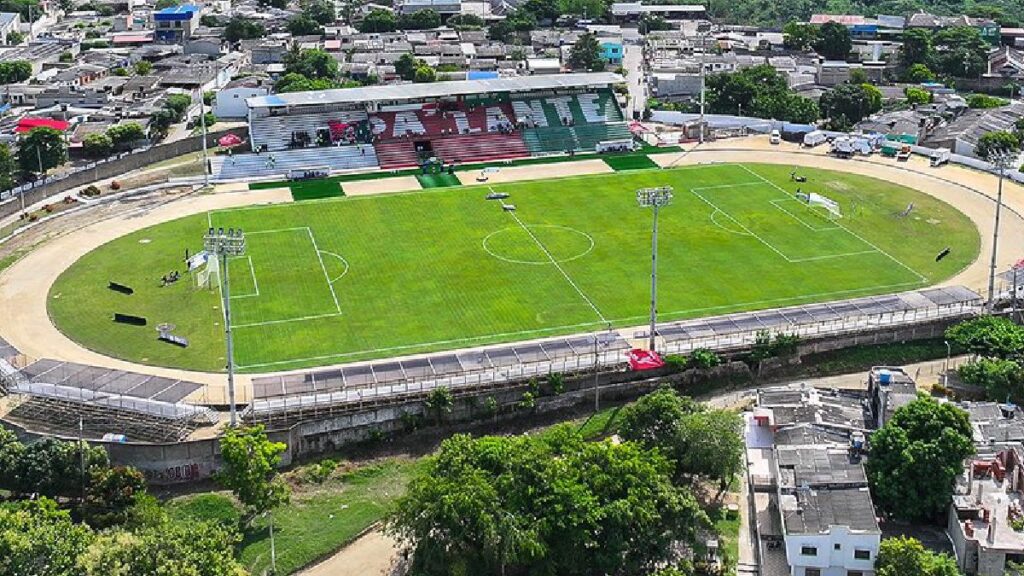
[[432, 90]]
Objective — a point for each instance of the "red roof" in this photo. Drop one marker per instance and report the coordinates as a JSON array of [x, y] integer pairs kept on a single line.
[[28, 124]]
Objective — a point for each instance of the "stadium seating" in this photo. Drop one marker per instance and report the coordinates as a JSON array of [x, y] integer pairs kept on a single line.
[[431, 122], [255, 165], [396, 154], [275, 132], [582, 137], [588, 108], [467, 148]]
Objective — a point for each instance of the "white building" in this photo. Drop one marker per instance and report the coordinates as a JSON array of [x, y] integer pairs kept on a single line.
[[9, 22], [230, 101], [830, 532]]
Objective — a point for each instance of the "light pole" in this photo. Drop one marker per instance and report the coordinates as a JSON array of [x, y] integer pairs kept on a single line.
[[202, 122], [222, 244], [654, 198], [1000, 161], [945, 370], [703, 69]]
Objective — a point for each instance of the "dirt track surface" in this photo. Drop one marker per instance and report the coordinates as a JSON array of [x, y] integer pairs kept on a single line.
[[25, 285]]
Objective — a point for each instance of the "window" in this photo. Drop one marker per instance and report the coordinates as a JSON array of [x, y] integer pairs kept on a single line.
[[808, 551], [812, 572], [862, 554], [837, 546], [854, 573]]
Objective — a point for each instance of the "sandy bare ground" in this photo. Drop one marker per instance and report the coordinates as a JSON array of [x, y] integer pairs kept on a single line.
[[25, 285], [536, 172], [381, 186], [370, 555]]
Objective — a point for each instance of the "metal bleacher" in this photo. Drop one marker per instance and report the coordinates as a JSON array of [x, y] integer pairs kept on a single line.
[[335, 158], [280, 400], [58, 396]]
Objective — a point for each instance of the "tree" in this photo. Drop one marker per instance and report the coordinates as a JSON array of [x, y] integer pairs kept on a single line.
[[111, 494], [178, 104], [904, 556], [917, 48], [240, 28], [97, 145], [406, 65], [918, 73], [424, 74], [249, 470], [465, 21], [440, 401], [530, 504], [586, 54], [425, 19], [984, 101], [711, 445], [653, 420], [1003, 380], [960, 52], [8, 168], [39, 539], [15, 71], [14, 38], [378, 20], [143, 67], [916, 456], [293, 82], [123, 136], [652, 23], [312, 64], [41, 149], [582, 8], [992, 145], [321, 11], [161, 4], [990, 336], [799, 36], [302, 25], [851, 101], [196, 549], [917, 96], [833, 41], [542, 9]]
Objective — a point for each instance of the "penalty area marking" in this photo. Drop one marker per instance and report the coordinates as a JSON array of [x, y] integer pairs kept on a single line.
[[343, 261], [252, 272]]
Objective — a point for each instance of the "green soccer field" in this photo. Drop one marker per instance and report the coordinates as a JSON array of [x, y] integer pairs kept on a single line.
[[348, 279]]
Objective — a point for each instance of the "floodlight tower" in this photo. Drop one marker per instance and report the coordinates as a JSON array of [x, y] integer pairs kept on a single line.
[[654, 198], [222, 244], [1001, 161]]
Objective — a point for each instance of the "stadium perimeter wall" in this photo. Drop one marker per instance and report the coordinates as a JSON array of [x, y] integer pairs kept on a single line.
[[111, 168], [197, 460]]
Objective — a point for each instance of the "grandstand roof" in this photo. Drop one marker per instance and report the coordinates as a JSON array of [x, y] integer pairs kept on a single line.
[[432, 90]]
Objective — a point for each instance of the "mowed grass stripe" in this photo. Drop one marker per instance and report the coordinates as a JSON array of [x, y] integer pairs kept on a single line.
[[420, 277]]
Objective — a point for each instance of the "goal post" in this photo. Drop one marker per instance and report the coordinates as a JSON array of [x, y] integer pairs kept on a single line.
[[813, 199], [209, 276]]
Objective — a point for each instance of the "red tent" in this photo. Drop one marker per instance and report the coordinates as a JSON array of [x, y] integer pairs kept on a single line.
[[644, 360], [29, 124], [229, 140]]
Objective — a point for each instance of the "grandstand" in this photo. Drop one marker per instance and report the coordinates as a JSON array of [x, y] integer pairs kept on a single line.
[[454, 122]]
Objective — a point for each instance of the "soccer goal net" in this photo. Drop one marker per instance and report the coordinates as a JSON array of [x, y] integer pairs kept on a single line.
[[209, 276], [812, 199]]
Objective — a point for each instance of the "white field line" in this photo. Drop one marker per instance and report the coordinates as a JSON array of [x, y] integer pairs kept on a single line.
[[920, 277], [293, 229], [740, 224], [503, 336], [252, 272], [324, 268], [343, 261], [285, 320], [797, 218], [558, 267], [220, 285]]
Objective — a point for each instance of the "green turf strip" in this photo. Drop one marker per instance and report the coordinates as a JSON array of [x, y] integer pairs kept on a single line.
[[629, 162], [443, 180], [375, 276]]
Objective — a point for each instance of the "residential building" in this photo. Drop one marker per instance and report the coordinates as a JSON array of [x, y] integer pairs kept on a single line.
[[230, 100], [176, 23], [611, 51], [9, 22], [633, 11], [443, 7]]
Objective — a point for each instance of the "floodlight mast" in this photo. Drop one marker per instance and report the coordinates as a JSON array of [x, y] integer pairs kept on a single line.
[[654, 198], [1001, 160], [222, 244]]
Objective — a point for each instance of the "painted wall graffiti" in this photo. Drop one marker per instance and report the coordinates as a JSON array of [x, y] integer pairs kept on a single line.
[[172, 474]]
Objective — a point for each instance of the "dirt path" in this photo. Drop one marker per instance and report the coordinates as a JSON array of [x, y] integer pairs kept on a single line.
[[371, 555]]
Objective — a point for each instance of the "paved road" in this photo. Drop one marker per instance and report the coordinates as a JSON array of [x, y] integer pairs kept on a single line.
[[633, 62]]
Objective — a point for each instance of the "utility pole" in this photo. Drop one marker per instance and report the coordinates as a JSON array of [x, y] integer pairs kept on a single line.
[[1000, 161], [702, 91], [202, 122], [221, 244], [654, 198]]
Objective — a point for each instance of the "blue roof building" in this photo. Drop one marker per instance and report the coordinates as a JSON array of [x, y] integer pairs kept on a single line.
[[177, 23]]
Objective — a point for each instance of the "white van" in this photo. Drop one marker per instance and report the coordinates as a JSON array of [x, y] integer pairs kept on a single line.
[[775, 137], [812, 139]]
